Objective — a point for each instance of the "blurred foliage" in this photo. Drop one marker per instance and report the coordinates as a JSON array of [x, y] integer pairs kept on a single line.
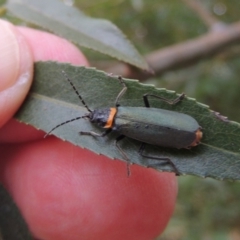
[[206, 209]]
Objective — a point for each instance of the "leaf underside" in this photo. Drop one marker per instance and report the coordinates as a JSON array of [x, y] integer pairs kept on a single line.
[[12, 225], [52, 101], [97, 34]]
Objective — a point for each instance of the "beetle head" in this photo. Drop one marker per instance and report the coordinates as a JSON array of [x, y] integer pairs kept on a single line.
[[99, 116]]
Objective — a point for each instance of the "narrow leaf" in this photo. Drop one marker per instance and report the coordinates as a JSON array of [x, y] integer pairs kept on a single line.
[[52, 101], [68, 22]]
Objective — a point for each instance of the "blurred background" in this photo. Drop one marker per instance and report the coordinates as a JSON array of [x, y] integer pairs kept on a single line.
[[206, 208]]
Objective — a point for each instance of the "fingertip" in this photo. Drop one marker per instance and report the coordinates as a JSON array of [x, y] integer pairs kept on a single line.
[[16, 70], [44, 46], [65, 185], [16, 132], [52, 47]]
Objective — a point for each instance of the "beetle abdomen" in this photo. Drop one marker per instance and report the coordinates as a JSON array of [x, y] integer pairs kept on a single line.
[[158, 127]]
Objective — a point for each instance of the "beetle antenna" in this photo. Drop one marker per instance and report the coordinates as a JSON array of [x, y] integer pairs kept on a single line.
[[63, 123], [76, 91]]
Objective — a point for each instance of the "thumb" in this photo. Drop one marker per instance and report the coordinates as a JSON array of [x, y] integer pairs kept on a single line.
[[16, 70]]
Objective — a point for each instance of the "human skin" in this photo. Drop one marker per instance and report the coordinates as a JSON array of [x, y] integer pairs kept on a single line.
[[63, 191]]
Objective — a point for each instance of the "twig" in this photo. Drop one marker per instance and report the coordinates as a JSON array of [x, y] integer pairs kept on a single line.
[[194, 50], [183, 54]]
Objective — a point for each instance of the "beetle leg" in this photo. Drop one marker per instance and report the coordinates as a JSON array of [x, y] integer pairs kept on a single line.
[[163, 159], [124, 89], [94, 134], [119, 138], [172, 102]]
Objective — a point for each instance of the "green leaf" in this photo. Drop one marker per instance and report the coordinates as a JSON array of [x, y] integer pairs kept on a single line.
[[52, 101], [12, 225], [68, 22]]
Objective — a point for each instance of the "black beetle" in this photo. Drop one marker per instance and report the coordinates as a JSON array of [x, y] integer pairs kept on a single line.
[[148, 125]]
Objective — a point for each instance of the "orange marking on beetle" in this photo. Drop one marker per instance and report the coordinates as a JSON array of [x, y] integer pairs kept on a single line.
[[197, 139], [111, 116]]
